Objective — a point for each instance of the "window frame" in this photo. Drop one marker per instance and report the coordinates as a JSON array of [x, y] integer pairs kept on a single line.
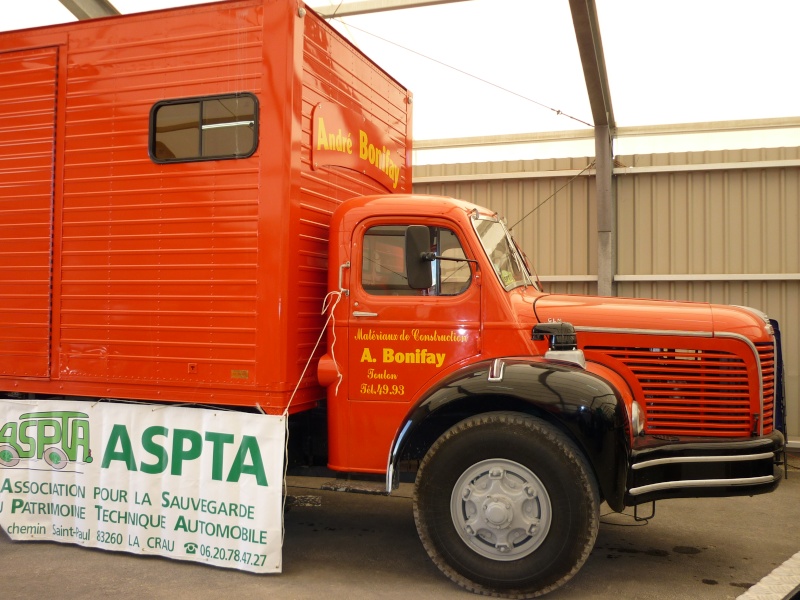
[[151, 136], [436, 264]]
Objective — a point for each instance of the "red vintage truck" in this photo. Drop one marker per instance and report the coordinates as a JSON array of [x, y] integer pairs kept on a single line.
[[190, 199]]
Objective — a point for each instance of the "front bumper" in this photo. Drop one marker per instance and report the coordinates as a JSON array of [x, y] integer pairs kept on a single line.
[[695, 469]]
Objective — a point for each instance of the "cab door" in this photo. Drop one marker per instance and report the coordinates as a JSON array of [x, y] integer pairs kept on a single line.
[[401, 340]]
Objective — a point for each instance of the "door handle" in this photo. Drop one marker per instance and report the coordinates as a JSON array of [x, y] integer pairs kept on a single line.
[[361, 313]]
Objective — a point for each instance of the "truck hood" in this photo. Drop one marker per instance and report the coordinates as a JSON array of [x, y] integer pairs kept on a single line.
[[627, 313], [640, 314]]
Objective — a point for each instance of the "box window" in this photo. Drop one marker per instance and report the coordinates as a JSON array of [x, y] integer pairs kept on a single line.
[[210, 128]]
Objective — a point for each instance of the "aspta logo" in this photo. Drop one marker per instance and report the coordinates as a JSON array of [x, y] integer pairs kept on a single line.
[[58, 437]]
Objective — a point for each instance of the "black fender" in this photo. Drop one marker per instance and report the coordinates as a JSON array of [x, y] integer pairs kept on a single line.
[[581, 404]]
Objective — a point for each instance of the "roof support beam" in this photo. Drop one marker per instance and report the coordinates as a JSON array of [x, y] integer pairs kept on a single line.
[[363, 7], [90, 9], [590, 46]]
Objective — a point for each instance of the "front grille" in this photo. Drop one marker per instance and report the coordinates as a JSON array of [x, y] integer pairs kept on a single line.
[[696, 392]]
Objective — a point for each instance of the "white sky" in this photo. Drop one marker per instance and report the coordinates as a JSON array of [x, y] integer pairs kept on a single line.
[[668, 61]]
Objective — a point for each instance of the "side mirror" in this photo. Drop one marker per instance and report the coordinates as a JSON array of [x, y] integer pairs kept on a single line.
[[418, 257]]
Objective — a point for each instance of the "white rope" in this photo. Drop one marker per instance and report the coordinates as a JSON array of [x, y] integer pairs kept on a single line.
[[330, 302], [326, 304]]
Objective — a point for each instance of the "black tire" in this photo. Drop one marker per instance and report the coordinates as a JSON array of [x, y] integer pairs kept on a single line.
[[477, 526]]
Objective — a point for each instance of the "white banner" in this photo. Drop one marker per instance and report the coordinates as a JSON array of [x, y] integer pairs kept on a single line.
[[186, 483]]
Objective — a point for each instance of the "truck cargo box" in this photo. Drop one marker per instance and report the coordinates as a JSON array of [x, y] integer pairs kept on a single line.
[[166, 183]]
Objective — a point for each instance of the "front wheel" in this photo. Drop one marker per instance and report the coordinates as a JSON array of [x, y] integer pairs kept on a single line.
[[506, 505]]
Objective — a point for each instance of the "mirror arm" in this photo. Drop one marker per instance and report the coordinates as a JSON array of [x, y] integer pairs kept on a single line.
[[433, 256]]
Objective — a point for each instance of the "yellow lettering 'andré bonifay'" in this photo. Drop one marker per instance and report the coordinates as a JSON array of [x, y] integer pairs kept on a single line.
[[379, 157]]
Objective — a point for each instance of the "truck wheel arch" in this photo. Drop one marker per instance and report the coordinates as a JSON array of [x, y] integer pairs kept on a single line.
[[581, 405]]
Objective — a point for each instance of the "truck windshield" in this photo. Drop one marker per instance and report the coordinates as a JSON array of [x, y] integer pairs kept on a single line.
[[502, 252]]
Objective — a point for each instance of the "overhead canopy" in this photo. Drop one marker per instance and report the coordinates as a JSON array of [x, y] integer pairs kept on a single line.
[[681, 61]]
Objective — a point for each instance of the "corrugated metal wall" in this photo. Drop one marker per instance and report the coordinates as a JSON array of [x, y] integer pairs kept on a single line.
[[720, 227]]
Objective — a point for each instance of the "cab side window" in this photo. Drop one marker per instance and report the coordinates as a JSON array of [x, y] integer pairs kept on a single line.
[[383, 263]]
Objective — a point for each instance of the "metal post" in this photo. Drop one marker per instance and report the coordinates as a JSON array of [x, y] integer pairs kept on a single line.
[[590, 46], [606, 212]]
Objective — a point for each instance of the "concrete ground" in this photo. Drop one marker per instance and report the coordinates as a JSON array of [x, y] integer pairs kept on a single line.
[[356, 546]]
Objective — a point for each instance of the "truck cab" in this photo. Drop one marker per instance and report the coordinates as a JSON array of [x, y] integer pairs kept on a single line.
[[520, 411]]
